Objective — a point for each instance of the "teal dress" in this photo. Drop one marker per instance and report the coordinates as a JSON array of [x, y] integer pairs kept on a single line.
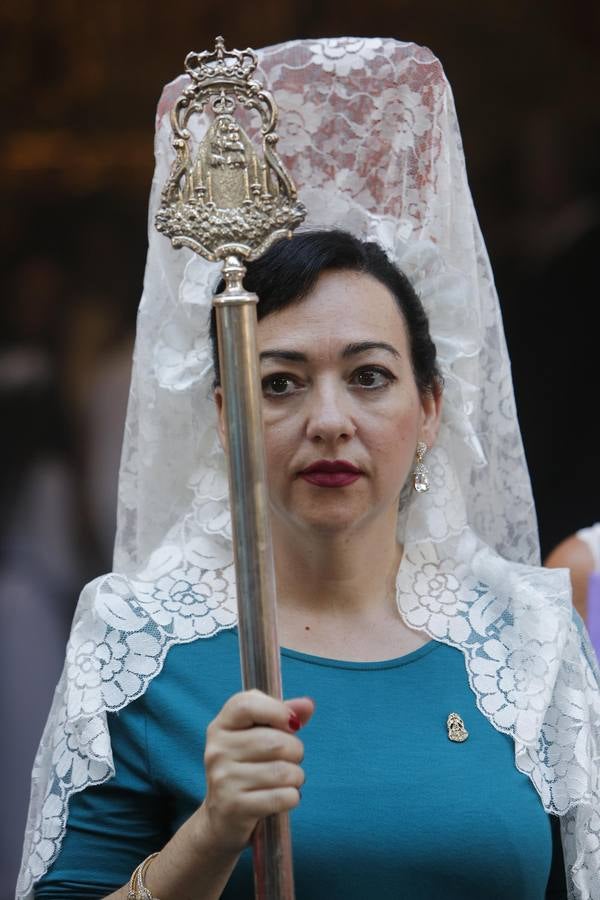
[[391, 808]]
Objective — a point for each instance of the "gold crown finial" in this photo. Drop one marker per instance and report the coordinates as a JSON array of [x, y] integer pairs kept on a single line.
[[224, 196], [220, 62]]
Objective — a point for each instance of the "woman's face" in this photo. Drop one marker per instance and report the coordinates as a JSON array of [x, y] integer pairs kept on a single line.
[[342, 412]]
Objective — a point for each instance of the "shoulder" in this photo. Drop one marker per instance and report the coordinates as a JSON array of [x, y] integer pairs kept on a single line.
[[199, 675], [574, 554]]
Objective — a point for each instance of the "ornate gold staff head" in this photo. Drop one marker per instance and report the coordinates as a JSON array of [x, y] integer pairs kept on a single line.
[[224, 197]]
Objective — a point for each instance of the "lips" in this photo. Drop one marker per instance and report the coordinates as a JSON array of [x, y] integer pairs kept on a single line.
[[331, 473]]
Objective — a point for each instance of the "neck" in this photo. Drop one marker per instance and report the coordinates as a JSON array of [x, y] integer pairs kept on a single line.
[[330, 574]]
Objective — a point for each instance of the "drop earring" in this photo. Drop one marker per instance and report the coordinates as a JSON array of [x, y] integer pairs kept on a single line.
[[420, 471]]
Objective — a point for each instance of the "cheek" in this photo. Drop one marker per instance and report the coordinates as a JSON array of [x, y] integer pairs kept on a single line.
[[398, 449], [395, 430], [280, 440], [393, 443]]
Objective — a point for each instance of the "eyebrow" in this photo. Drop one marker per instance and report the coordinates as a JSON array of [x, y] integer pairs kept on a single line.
[[288, 355], [363, 346], [353, 349]]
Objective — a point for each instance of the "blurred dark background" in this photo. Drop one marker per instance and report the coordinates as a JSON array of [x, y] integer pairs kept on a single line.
[[78, 92]]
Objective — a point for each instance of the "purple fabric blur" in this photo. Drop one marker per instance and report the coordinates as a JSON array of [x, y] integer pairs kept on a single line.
[[593, 622]]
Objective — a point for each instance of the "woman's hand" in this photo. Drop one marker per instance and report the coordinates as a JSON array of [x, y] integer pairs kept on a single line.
[[253, 769], [252, 763]]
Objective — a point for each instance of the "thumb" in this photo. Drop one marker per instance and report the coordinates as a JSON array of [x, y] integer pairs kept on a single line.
[[303, 707]]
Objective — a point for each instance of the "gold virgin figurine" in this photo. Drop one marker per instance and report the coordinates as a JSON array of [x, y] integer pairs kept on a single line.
[[227, 200]]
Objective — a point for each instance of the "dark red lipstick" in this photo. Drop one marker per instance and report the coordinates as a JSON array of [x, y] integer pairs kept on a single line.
[[331, 473]]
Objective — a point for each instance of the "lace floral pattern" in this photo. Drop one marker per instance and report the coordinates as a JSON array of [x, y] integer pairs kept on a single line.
[[526, 667], [122, 634], [369, 131]]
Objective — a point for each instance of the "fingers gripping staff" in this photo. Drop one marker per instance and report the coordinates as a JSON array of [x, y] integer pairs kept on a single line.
[[252, 763], [227, 201]]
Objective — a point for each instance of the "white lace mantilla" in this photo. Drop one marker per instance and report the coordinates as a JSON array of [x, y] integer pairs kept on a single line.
[[369, 131]]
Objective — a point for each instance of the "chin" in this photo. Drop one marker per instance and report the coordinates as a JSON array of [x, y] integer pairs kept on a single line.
[[324, 518], [330, 525]]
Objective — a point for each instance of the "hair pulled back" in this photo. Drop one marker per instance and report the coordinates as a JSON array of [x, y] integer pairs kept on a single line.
[[289, 270]]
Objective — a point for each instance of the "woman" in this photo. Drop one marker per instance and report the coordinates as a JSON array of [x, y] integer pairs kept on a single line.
[[441, 738]]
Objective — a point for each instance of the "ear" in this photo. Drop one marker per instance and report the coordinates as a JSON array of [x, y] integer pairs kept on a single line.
[[431, 405], [221, 430]]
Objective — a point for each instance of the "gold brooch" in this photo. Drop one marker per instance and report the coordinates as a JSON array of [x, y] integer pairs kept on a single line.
[[456, 728]]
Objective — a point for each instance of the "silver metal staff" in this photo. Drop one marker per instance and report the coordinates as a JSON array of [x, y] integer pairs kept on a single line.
[[229, 201]]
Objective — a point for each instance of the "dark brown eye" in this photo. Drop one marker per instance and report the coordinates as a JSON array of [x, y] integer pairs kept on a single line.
[[372, 377], [278, 385], [367, 379]]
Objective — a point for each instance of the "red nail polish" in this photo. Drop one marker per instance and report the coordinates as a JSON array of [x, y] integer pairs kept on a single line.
[[294, 722]]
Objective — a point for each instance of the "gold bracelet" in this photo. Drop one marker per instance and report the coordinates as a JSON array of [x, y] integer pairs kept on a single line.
[[137, 888]]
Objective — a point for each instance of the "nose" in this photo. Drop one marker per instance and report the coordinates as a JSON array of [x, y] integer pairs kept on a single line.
[[329, 418]]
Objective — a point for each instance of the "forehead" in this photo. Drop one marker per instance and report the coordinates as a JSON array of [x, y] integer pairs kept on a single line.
[[343, 307]]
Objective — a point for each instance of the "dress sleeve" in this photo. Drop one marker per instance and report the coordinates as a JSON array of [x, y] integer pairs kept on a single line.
[[113, 826]]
